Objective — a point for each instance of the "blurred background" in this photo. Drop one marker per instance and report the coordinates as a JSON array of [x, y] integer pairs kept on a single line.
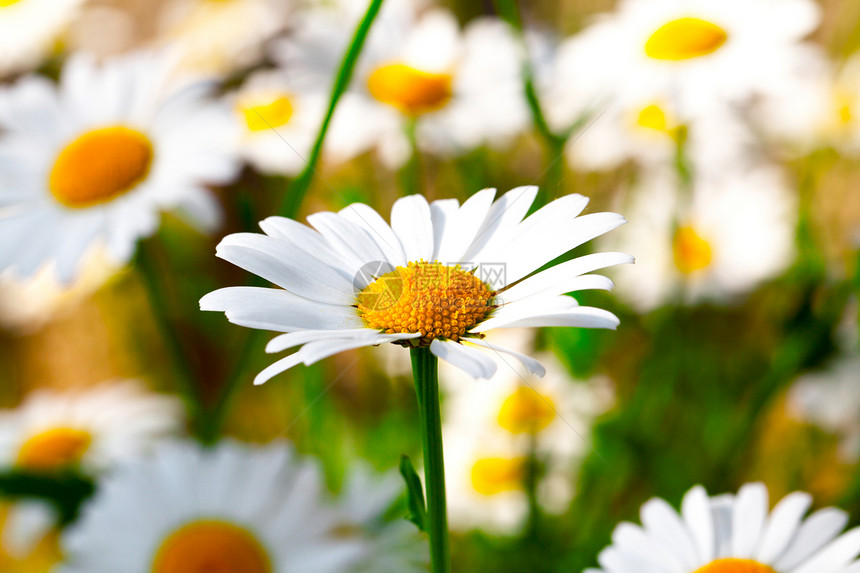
[[735, 163]]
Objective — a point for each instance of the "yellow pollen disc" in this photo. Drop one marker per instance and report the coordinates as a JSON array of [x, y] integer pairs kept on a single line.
[[411, 91], [734, 566], [844, 107], [5, 3], [99, 166], [276, 112], [491, 476], [436, 300], [210, 546], [526, 411], [655, 117], [684, 39], [54, 449], [691, 252]]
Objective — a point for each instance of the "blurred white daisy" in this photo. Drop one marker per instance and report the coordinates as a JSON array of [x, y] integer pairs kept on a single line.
[[94, 160], [462, 88], [697, 54], [220, 36], [363, 506], [492, 427], [439, 276], [280, 122], [732, 233], [93, 429], [227, 508], [31, 29], [821, 108], [733, 534]]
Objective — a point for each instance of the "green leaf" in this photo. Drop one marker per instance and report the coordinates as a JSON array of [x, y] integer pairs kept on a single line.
[[417, 509], [66, 490]]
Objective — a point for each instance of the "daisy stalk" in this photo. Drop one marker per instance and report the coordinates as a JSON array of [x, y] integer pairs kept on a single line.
[[554, 143], [300, 186], [425, 371]]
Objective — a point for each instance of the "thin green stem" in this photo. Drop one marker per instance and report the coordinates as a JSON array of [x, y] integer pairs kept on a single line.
[[300, 186], [554, 144], [425, 372], [151, 267], [531, 478], [411, 173]]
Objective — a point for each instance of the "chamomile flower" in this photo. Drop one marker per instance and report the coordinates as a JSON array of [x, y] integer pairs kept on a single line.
[[698, 54], [228, 508], [280, 122], [439, 276], [30, 30], [219, 36], [460, 88], [92, 429], [28, 537], [94, 160], [731, 234], [493, 426], [733, 534]]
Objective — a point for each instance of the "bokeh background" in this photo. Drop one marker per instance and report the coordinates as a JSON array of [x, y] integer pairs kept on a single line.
[[724, 370]]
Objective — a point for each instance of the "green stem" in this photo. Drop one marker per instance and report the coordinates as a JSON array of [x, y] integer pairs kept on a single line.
[[425, 372], [554, 144], [299, 188], [411, 174], [151, 266], [531, 478]]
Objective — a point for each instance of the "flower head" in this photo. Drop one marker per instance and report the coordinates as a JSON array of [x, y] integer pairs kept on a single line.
[[96, 158], [733, 534], [229, 508], [440, 275]]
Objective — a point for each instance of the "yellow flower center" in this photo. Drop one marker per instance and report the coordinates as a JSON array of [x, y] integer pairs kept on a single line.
[[436, 300], [491, 476], [526, 411], [655, 118], [844, 107], [691, 252], [685, 39], [734, 566], [99, 166], [410, 90], [6, 3], [54, 449], [273, 112], [210, 546]]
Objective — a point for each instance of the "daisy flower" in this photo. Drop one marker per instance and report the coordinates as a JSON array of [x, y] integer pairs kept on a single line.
[[461, 88], [226, 508], [30, 30], [96, 158], [219, 36], [439, 276], [733, 534], [279, 121], [92, 430], [698, 54], [731, 234], [492, 427], [362, 505]]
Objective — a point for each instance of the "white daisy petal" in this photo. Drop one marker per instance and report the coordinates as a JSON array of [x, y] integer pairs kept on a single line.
[[782, 525], [295, 270], [470, 360], [583, 317], [307, 239], [347, 237], [376, 226], [562, 278], [290, 339], [697, 516], [837, 554], [751, 507], [278, 310], [814, 533], [665, 527], [411, 221], [502, 218], [442, 214], [532, 365], [462, 227]]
